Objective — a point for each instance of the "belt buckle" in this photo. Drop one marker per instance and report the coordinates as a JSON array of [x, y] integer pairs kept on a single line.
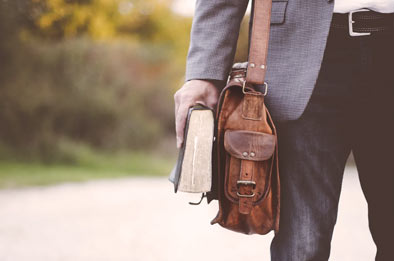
[[351, 22]]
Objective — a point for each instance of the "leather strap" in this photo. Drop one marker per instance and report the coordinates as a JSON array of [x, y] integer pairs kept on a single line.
[[255, 74], [246, 174], [257, 62]]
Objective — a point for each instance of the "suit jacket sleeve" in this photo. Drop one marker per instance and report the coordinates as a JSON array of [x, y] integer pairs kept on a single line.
[[213, 38]]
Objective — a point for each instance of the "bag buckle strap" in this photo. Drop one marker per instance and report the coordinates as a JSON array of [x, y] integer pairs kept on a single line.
[[351, 22], [245, 195], [246, 187], [246, 183], [265, 86]]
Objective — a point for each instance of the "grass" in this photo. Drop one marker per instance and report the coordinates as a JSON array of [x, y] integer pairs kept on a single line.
[[88, 166]]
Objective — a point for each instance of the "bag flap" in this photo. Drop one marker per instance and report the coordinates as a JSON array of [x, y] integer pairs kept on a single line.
[[249, 145]]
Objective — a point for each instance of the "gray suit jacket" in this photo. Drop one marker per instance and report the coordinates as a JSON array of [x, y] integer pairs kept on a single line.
[[298, 36]]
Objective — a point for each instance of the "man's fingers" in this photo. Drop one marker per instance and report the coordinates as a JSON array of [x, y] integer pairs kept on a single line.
[[197, 91], [202, 103], [177, 102], [180, 122]]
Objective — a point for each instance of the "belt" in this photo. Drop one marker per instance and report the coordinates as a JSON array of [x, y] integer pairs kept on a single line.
[[364, 22]]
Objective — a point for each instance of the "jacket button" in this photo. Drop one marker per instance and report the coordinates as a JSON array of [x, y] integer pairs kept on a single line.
[[245, 154]]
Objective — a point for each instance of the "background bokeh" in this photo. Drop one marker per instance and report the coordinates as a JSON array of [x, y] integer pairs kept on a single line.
[[86, 87]]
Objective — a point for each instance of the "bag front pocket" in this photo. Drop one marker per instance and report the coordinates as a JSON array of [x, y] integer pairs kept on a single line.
[[248, 164]]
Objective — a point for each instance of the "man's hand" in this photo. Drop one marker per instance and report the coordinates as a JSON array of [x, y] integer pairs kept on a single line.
[[191, 93]]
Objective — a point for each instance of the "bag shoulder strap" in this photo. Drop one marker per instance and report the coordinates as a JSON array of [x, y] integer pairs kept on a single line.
[[257, 61]]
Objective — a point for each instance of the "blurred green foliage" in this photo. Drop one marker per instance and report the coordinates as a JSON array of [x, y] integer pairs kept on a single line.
[[91, 165], [100, 94], [98, 74]]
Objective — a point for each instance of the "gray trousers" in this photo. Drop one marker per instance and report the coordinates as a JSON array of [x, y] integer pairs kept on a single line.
[[351, 109]]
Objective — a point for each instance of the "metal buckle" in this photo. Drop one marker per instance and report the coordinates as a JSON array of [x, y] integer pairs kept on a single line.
[[246, 182], [245, 196], [351, 22], [243, 87], [265, 88]]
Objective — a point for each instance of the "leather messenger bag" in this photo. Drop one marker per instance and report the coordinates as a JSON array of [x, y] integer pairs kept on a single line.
[[246, 175]]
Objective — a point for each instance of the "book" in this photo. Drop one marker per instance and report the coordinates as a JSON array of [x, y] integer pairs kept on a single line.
[[193, 169]]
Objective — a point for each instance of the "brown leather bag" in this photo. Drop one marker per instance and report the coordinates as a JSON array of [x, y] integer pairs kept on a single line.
[[246, 174]]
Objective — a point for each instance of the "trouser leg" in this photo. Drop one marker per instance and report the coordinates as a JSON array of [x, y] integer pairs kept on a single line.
[[312, 153], [373, 143], [375, 163], [313, 157]]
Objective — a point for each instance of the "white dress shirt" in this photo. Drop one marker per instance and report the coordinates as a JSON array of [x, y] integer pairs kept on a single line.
[[382, 6]]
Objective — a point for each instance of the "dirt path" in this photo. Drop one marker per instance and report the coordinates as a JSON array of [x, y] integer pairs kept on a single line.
[[141, 219]]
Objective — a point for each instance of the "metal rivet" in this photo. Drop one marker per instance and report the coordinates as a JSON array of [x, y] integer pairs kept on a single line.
[[252, 65], [245, 154], [262, 67], [252, 154]]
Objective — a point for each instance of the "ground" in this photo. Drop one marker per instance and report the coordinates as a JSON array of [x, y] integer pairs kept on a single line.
[[141, 219]]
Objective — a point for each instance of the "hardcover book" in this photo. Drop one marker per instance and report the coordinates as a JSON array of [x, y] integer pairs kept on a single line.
[[193, 169]]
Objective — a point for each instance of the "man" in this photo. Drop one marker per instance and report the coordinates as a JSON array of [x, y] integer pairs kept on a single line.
[[331, 90]]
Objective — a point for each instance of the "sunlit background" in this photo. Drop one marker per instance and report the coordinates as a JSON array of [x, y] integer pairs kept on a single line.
[[86, 87], [87, 138]]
